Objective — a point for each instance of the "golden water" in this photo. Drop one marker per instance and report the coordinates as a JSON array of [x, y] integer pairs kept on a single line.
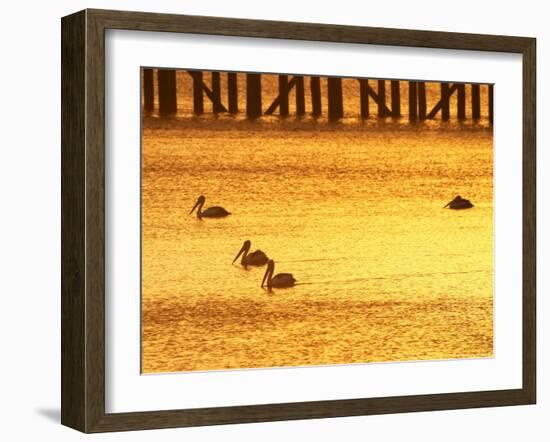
[[353, 210]]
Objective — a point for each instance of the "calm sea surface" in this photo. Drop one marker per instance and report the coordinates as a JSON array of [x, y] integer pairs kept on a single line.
[[353, 210]]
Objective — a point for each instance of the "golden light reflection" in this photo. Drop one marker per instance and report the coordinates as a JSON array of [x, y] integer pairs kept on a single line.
[[354, 210]]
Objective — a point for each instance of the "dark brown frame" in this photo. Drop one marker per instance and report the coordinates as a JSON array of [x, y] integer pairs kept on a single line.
[[83, 215]]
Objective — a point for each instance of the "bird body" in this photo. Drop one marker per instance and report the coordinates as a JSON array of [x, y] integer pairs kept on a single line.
[[280, 280], [256, 258], [211, 212], [459, 203]]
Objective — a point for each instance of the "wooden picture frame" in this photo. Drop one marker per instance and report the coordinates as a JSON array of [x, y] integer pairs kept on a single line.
[[83, 220]]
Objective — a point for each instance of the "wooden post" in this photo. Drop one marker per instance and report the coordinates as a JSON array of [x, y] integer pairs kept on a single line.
[[445, 94], [395, 99], [300, 98], [476, 106], [443, 104], [198, 102], [167, 91], [315, 86], [283, 94], [461, 102], [413, 101], [364, 96], [216, 93], [232, 93], [335, 100], [491, 100], [382, 98], [148, 90], [422, 100], [253, 95]]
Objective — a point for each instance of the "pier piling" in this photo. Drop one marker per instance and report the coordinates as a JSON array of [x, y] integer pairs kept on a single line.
[[364, 97], [216, 94], [335, 99], [300, 96], [283, 94], [461, 102], [395, 99], [315, 87], [388, 105], [232, 93], [413, 101], [213, 93], [445, 107], [443, 104], [253, 95], [148, 90], [198, 101], [476, 106], [422, 107], [382, 98], [167, 91]]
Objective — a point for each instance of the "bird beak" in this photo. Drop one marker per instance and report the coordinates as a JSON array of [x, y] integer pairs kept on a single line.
[[238, 254], [446, 205], [194, 207]]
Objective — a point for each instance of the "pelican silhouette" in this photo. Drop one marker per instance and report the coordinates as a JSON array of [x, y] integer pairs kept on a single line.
[[280, 280], [211, 212], [459, 203], [256, 258]]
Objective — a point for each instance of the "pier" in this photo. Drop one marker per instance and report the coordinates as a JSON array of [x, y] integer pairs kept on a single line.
[[382, 98]]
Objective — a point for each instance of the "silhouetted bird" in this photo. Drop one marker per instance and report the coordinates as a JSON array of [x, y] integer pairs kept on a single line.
[[459, 203], [256, 258], [211, 212], [280, 280]]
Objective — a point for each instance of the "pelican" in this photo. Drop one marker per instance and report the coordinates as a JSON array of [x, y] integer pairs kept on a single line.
[[459, 203], [256, 258], [211, 212], [280, 280]]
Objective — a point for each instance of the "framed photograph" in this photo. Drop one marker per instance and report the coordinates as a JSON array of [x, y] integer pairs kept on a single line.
[[268, 221]]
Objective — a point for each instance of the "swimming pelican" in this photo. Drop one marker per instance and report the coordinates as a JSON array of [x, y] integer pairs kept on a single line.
[[211, 212], [280, 280], [459, 203], [256, 258]]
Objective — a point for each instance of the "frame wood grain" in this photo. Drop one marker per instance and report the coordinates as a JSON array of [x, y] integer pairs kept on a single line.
[[83, 218]]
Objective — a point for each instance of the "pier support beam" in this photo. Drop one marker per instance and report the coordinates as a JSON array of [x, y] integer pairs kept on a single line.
[[476, 106], [382, 98], [148, 90], [364, 97], [443, 104], [253, 95], [281, 102], [413, 101], [335, 99], [199, 89], [315, 87], [198, 102], [232, 93], [395, 99], [379, 98], [461, 102], [445, 95], [216, 94], [300, 97], [168, 104], [422, 108], [283, 93]]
